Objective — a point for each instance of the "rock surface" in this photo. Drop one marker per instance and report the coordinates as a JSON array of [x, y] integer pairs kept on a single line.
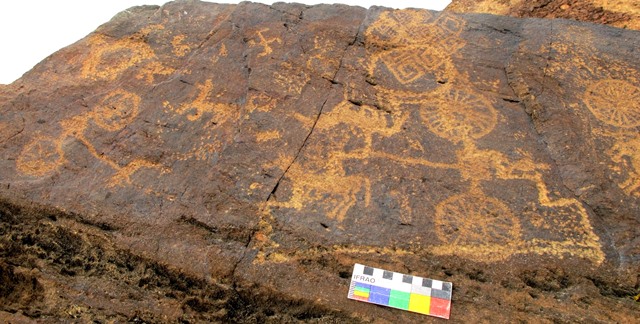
[[618, 13], [206, 162]]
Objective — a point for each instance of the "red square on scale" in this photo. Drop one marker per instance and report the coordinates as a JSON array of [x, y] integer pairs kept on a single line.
[[440, 307]]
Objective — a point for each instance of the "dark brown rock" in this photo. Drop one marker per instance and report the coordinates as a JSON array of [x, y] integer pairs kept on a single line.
[[618, 13], [207, 162]]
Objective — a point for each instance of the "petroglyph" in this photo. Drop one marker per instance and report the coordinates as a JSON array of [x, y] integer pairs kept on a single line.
[[115, 111], [180, 49], [614, 102], [332, 191], [202, 104], [264, 42], [626, 153], [459, 115], [472, 224], [415, 43], [110, 58], [475, 222], [40, 157]]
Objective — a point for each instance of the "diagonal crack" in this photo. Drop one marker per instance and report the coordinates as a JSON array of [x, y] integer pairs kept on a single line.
[[304, 143]]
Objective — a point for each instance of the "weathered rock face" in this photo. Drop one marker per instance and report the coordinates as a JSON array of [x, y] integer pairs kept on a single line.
[[232, 162], [618, 13]]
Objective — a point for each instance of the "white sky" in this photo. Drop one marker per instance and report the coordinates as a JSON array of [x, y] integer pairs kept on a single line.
[[31, 30]]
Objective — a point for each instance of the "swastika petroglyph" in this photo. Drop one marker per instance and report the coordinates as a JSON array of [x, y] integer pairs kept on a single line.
[[264, 42]]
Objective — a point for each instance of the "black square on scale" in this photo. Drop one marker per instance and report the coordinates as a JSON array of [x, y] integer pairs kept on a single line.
[[368, 271], [427, 283], [407, 279], [387, 275]]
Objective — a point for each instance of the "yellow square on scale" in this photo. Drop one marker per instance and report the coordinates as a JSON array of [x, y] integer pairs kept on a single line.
[[419, 303], [362, 294]]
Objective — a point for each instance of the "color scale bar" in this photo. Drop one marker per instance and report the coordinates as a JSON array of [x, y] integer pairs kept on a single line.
[[397, 290]]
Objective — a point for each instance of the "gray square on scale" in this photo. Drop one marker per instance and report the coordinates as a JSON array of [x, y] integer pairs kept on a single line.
[[407, 278], [387, 275], [437, 293], [368, 271]]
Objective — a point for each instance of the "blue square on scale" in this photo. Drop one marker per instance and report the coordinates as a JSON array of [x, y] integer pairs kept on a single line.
[[380, 291], [379, 299]]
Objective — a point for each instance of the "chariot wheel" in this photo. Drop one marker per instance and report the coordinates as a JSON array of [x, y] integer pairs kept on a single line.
[[472, 220], [40, 157], [458, 115], [117, 110], [614, 102]]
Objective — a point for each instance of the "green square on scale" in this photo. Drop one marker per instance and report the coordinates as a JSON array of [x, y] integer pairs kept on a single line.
[[399, 299]]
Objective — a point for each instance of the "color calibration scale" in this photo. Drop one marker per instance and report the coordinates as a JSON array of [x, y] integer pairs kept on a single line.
[[397, 290]]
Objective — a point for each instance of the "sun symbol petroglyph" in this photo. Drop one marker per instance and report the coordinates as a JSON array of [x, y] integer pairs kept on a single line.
[[459, 115], [615, 102], [117, 110], [40, 157]]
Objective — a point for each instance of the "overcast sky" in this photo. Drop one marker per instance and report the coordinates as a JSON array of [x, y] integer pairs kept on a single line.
[[31, 30]]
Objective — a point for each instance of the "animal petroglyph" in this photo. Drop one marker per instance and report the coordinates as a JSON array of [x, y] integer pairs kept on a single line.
[[626, 153], [202, 104], [333, 191]]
